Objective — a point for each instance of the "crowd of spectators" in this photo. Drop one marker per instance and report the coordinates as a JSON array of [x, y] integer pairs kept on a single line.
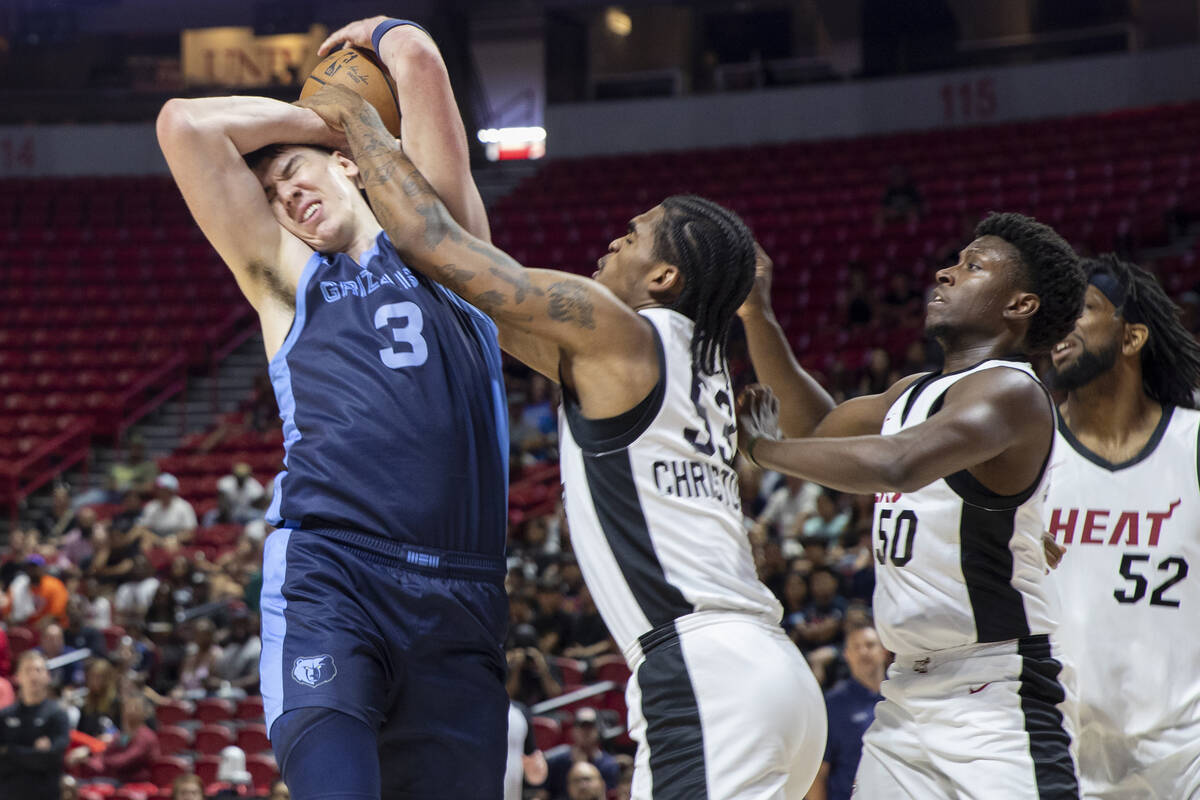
[[127, 615]]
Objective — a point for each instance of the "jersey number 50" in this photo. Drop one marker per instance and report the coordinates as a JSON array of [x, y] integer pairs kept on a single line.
[[902, 535], [405, 322]]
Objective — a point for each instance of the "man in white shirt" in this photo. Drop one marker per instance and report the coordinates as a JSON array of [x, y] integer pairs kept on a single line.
[[168, 514], [239, 491]]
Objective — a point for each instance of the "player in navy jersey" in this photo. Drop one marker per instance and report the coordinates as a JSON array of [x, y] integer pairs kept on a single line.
[[383, 601]]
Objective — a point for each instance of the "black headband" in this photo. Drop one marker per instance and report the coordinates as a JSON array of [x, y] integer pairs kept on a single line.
[[1117, 294]]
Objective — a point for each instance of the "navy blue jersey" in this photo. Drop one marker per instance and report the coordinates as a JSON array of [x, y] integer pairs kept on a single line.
[[393, 407]]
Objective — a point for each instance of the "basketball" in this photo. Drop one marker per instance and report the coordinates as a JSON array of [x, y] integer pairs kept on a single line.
[[359, 70]]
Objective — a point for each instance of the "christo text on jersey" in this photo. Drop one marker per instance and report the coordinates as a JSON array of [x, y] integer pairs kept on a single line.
[[696, 479]]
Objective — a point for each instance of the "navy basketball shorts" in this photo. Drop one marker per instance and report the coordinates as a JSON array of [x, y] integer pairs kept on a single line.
[[408, 640]]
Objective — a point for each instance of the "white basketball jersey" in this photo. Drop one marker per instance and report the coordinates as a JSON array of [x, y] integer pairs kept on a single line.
[[956, 564], [1130, 609], [652, 499]]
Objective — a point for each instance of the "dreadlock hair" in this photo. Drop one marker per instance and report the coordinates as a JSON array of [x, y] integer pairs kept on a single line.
[[714, 250], [1171, 356], [1051, 270]]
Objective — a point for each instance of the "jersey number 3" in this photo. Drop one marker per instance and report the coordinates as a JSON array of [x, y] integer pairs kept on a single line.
[[405, 322]]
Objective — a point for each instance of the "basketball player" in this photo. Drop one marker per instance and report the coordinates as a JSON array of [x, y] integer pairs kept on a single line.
[[1126, 504], [383, 603], [722, 704], [974, 703]]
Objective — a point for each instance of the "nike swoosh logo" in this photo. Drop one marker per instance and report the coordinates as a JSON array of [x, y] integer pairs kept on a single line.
[[980, 689]]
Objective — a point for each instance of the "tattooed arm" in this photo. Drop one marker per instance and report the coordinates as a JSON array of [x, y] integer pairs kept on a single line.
[[605, 351]]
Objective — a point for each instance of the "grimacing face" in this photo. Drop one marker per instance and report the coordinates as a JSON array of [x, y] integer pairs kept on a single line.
[[313, 194], [630, 256]]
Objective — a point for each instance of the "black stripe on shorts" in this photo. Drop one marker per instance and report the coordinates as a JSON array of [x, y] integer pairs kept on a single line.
[[1049, 742], [673, 731]]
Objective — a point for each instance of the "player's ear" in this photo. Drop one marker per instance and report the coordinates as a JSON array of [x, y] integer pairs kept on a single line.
[[1022, 306], [347, 165], [1135, 338], [664, 282]]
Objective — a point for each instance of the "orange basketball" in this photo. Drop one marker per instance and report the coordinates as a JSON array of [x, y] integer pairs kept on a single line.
[[359, 70]]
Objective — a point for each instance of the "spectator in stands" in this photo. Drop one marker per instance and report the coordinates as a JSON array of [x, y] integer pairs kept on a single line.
[[237, 668], [136, 473], [187, 787], [22, 543], [902, 199], [198, 674], [129, 757], [69, 788], [795, 600], [5, 655], [851, 709], [821, 633], [34, 734], [7, 694], [552, 622], [788, 503], [49, 593], [78, 635], [902, 300], [75, 547], [585, 735], [238, 494], [876, 372], [531, 679], [129, 513], [135, 595], [827, 522], [115, 554], [52, 646], [589, 635], [168, 516], [100, 715], [279, 791], [584, 782], [859, 305], [94, 604], [61, 516]]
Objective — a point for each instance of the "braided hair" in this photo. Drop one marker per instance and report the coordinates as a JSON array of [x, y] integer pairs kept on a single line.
[[1050, 269], [1171, 356], [714, 250]]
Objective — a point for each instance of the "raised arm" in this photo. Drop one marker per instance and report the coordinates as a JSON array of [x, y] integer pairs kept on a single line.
[[805, 408], [994, 424], [430, 124], [803, 402], [599, 340], [203, 141]]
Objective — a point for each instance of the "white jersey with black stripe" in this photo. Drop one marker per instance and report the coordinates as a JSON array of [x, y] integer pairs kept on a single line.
[[1130, 601], [957, 564], [652, 499]]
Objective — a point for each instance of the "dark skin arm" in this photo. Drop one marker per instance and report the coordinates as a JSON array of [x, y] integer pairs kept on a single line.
[[996, 424], [554, 321], [806, 409], [803, 402]]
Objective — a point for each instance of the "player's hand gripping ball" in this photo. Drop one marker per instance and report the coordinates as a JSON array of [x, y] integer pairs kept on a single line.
[[358, 70]]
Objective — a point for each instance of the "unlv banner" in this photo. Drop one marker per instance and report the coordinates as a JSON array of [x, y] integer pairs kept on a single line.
[[235, 57]]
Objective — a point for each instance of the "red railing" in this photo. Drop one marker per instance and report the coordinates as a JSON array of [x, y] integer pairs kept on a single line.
[[19, 479]]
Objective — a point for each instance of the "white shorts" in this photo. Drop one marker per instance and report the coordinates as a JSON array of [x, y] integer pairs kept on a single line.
[[724, 707], [982, 722], [1161, 766]]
